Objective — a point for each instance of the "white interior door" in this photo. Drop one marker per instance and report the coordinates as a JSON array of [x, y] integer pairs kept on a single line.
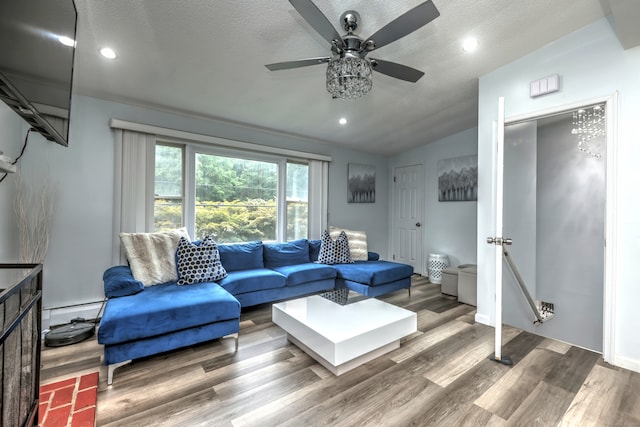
[[408, 203]]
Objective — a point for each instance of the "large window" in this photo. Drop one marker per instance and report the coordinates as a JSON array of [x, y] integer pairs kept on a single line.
[[231, 197], [236, 199]]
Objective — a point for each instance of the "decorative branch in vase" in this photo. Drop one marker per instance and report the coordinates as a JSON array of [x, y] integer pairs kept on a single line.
[[34, 213]]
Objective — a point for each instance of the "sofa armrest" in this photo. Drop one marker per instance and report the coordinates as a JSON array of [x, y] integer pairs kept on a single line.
[[373, 256], [119, 282]]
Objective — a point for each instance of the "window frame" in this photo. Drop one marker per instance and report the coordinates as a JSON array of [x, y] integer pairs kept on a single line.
[[191, 150], [182, 148]]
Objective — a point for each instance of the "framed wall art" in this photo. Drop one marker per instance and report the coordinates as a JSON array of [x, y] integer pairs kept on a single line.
[[361, 186], [458, 179]]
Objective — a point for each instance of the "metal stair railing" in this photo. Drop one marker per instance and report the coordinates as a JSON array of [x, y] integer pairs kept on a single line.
[[542, 310]]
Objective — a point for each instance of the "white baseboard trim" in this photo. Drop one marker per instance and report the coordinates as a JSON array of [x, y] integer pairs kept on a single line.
[[481, 318], [626, 363], [60, 316]]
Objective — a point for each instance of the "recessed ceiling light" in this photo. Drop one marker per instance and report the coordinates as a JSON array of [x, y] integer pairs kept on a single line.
[[342, 121], [107, 52], [67, 41], [470, 44]]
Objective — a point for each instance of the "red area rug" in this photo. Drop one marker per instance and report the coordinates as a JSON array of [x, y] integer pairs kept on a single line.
[[69, 403]]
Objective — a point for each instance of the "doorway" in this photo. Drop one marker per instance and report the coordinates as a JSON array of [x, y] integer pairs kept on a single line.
[[554, 205], [407, 216]]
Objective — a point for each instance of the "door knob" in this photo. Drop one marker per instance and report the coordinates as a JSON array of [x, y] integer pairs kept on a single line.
[[499, 241], [418, 224]]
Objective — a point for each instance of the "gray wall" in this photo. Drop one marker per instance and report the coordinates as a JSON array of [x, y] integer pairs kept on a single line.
[[570, 237], [591, 64], [449, 227], [80, 248], [554, 212], [10, 144]]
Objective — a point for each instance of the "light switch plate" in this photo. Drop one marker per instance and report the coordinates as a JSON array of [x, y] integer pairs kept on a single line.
[[544, 86]]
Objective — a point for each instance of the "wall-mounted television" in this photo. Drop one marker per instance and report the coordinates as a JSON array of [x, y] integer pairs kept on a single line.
[[36, 68]]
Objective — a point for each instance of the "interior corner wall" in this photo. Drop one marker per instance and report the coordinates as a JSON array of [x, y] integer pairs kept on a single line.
[[10, 145], [83, 176], [591, 64], [449, 227], [371, 218]]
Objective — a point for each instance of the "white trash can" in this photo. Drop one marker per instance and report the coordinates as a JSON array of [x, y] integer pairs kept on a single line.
[[437, 263]]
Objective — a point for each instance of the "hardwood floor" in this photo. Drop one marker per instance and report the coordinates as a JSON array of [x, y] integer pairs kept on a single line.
[[441, 376]]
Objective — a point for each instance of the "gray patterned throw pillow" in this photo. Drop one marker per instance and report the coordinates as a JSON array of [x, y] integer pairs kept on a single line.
[[199, 263], [334, 251]]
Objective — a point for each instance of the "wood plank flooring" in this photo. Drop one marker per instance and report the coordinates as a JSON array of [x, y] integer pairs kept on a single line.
[[440, 376]]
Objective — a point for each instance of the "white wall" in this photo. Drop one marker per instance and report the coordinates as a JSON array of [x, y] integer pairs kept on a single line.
[[80, 248], [449, 227], [592, 64], [10, 144]]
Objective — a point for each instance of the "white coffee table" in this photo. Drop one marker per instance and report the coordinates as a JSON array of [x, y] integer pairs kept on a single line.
[[343, 337]]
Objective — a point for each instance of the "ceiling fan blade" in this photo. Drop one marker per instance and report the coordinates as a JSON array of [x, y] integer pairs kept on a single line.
[[297, 64], [396, 70], [317, 20], [404, 24]]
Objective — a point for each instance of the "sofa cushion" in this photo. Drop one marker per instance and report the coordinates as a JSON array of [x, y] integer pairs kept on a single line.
[[373, 273], [334, 251], [373, 256], [305, 273], [199, 262], [165, 308], [241, 256], [357, 242], [289, 253], [242, 281], [119, 282], [314, 250], [152, 256]]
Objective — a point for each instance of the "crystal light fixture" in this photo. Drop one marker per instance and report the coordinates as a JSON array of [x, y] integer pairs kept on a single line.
[[349, 77], [590, 127]]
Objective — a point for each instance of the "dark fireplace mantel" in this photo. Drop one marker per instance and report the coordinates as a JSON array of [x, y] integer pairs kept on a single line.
[[20, 326]]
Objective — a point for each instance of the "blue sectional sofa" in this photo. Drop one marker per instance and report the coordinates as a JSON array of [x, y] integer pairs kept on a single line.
[[140, 321]]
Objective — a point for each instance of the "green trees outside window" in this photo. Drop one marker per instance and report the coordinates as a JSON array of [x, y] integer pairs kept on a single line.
[[236, 200], [169, 188]]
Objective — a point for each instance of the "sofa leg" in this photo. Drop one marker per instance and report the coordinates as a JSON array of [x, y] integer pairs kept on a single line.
[[409, 289], [112, 368], [235, 337]]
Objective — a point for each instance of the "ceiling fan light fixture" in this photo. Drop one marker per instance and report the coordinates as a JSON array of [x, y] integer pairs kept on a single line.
[[349, 77]]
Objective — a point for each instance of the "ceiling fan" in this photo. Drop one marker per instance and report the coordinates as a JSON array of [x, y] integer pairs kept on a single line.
[[349, 69]]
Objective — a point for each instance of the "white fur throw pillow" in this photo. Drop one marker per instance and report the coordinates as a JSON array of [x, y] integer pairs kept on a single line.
[[152, 256], [357, 243]]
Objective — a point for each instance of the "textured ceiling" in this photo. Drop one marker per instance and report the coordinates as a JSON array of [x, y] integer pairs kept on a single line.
[[206, 58]]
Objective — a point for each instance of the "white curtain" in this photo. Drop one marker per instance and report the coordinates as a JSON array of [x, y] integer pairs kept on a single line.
[[134, 184], [318, 197]]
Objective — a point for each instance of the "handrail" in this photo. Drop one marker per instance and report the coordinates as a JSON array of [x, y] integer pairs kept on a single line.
[[547, 308]]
